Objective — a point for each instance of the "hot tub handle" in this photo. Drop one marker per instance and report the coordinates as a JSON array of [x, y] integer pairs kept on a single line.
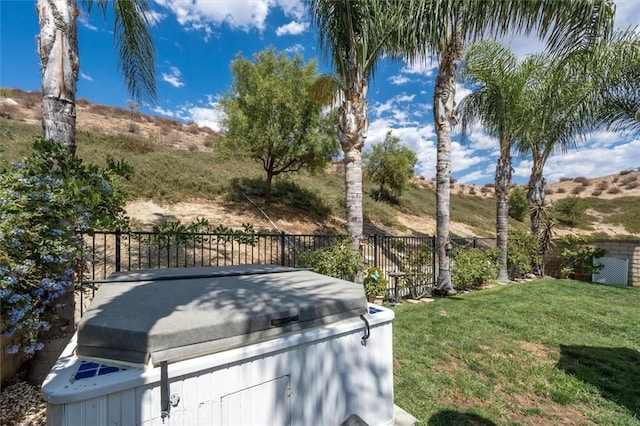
[[281, 322]]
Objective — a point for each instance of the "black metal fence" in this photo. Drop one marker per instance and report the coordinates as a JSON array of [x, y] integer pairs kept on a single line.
[[108, 252]]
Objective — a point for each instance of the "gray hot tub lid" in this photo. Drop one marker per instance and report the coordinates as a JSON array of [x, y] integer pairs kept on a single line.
[[180, 313]]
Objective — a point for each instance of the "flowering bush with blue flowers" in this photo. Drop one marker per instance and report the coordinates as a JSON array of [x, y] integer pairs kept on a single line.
[[43, 201]]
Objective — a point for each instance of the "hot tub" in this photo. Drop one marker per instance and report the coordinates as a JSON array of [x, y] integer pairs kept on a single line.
[[241, 345]]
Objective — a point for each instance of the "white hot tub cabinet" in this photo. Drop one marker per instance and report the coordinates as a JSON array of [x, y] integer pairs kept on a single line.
[[250, 345]]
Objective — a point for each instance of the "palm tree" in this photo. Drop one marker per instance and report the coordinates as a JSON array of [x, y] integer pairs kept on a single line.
[[501, 105], [353, 35], [58, 50], [441, 26], [594, 88]]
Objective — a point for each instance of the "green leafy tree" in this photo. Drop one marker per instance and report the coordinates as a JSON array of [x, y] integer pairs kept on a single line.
[[270, 116], [518, 205], [570, 210], [390, 166]]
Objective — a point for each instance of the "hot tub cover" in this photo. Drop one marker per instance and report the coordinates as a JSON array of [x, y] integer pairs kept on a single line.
[[180, 313]]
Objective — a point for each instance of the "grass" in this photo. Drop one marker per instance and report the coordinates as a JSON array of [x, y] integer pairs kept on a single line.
[[546, 352]]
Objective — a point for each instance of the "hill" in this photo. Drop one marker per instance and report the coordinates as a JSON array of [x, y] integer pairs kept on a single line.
[[184, 171]]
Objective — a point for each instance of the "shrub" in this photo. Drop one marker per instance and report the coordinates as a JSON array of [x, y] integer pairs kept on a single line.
[[629, 179], [602, 185], [561, 190], [577, 190], [596, 193], [473, 266], [549, 191], [337, 260], [523, 251], [44, 200], [570, 210], [613, 190], [564, 179], [472, 191], [375, 284], [625, 172], [518, 204], [581, 179], [631, 185], [577, 256]]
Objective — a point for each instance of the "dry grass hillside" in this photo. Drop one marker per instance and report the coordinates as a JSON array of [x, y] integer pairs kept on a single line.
[[622, 188]]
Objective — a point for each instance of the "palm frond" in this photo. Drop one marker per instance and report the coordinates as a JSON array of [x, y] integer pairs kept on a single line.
[[134, 41], [326, 90]]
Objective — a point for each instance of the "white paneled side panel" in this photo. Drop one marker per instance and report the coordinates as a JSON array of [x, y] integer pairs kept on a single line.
[[615, 271], [266, 403]]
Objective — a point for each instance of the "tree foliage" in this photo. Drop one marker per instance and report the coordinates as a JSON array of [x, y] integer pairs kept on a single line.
[[270, 116], [518, 204], [570, 210], [43, 201], [390, 166]]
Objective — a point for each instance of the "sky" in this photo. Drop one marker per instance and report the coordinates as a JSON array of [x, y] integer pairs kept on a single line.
[[196, 41]]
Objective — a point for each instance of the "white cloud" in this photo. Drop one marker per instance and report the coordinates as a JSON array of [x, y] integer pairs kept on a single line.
[[399, 80], [208, 114], [627, 13], [599, 161], [207, 117], [173, 78], [475, 176], [159, 110], [85, 76], [296, 48], [84, 21], [292, 28], [154, 17], [293, 8], [243, 15], [425, 67]]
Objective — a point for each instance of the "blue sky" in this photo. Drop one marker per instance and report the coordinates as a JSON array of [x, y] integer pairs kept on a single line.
[[197, 39]]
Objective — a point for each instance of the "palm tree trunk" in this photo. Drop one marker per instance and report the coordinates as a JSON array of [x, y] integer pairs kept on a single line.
[[352, 132], [443, 111], [58, 49], [503, 184], [535, 196]]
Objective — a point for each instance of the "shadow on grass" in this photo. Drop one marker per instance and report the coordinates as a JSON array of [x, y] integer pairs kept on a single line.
[[284, 192], [456, 418], [614, 371]]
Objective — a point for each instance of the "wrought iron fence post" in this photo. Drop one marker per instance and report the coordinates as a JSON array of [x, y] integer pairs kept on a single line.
[[434, 247], [118, 249], [375, 250], [282, 248]]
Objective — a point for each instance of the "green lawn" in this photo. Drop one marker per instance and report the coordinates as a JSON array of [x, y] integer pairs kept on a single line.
[[545, 352]]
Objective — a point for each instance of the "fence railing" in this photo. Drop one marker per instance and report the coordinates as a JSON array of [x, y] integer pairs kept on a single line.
[[112, 251]]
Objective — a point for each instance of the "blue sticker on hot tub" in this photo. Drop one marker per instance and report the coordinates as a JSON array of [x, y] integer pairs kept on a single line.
[[89, 369]]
